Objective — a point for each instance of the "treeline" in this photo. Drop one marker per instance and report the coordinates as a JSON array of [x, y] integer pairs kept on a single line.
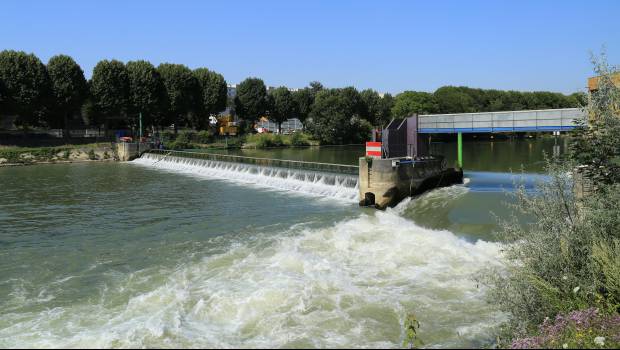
[[55, 94], [452, 99]]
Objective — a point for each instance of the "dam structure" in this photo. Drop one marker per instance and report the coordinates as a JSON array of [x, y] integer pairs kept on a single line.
[[398, 168], [334, 181]]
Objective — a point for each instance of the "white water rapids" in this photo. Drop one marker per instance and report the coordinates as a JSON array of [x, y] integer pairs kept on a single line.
[[348, 283], [337, 186]]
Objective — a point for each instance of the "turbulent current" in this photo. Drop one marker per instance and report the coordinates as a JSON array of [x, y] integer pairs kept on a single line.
[[198, 261]]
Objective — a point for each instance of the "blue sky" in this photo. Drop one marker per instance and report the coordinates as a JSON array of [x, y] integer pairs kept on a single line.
[[389, 46]]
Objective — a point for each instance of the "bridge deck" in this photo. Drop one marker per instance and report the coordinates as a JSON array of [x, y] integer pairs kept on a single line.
[[509, 121], [279, 163]]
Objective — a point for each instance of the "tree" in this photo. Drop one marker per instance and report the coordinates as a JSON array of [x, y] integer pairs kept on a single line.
[[373, 106], [413, 102], [26, 85], [335, 118], [316, 87], [147, 93], [385, 110], [304, 98], [69, 89], [213, 92], [182, 89], [284, 106], [110, 90], [251, 101], [451, 99]]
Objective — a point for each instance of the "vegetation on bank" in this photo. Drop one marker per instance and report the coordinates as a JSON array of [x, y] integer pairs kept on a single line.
[[206, 140], [560, 284], [57, 95], [32, 155]]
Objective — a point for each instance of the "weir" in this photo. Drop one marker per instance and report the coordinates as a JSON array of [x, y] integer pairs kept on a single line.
[[264, 162], [323, 179]]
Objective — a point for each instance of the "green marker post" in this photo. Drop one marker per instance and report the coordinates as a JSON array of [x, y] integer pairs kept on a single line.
[[460, 150]]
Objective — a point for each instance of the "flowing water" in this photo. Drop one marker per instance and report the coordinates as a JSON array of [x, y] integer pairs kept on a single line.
[[187, 253]]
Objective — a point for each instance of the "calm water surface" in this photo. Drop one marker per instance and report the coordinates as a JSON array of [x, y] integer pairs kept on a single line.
[[157, 255]]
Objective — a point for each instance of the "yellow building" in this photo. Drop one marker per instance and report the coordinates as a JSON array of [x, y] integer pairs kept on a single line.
[[593, 82]]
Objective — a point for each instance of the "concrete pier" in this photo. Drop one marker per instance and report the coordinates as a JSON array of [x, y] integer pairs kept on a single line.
[[130, 150], [386, 182]]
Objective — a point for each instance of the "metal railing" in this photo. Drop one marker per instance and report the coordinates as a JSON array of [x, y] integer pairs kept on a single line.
[[279, 163], [509, 121]]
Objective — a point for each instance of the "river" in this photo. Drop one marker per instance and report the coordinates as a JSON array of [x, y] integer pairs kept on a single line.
[[146, 254]]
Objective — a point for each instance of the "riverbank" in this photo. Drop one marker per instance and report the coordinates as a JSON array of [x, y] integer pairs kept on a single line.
[[16, 156]]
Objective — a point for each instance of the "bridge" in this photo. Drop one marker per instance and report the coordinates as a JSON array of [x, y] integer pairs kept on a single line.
[[544, 120]]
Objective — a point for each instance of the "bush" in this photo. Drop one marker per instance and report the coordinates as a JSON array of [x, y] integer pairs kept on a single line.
[[204, 136], [265, 140], [185, 137], [568, 258], [168, 136], [300, 139], [178, 145]]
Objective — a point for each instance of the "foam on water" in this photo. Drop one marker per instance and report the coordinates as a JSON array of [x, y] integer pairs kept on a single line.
[[337, 186], [346, 285]]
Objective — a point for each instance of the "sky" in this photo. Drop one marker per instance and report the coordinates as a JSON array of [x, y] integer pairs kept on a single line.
[[389, 46]]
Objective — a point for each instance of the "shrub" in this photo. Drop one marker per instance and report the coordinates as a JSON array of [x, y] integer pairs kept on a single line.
[[185, 137], [265, 140], [204, 136], [178, 145], [168, 136], [568, 258], [300, 139]]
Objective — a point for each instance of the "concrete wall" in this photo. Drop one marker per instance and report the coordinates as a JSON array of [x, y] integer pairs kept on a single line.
[[130, 150], [388, 181]]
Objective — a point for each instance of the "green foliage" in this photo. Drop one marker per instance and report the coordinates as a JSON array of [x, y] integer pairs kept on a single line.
[[299, 139], [183, 92], [377, 109], [597, 145], [265, 140], [168, 136], [304, 98], [568, 257], [147, 93], [69, 89], [251, 101], [411, 332], [335, 117], [32, 155], [204, 136], [412, 102], [110, 88], [213, 93], [283, 106], [26, 86]]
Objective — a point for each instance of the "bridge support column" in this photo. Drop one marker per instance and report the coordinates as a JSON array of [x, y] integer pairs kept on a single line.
[[460, 150]]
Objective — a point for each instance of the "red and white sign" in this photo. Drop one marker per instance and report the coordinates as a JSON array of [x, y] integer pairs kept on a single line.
[[373, 149]]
